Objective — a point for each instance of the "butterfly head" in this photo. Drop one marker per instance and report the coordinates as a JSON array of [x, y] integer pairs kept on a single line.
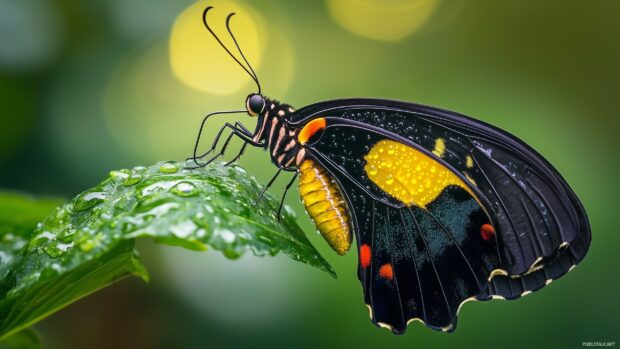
[[255, 104]]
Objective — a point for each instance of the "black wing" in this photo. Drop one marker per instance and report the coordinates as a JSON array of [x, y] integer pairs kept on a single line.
[[438, 256]]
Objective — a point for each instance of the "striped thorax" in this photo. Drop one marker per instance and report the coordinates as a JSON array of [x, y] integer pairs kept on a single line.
[[319, 192]]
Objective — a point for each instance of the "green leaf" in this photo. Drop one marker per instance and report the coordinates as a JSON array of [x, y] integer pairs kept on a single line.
[[19, 215], [25, 339], [88, 242]]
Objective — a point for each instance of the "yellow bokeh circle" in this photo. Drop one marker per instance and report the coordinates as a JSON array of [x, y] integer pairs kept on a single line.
[[382, 20], [198, 60]]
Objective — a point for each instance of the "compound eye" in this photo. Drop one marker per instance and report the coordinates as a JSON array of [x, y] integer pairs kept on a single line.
[[256, 104]]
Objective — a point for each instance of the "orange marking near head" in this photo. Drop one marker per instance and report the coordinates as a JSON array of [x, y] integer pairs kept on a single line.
[[310, 129], [365, 256], [386, 271], [487, 231]]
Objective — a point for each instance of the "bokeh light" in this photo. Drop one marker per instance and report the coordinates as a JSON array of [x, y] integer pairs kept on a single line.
[[374, 19], [199, 61]]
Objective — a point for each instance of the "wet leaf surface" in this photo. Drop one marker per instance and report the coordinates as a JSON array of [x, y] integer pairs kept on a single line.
[[88, 242]]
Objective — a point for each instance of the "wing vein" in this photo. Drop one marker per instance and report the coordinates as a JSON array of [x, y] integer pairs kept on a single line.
[[391, 243], [555, 217], [415, 264], [430, 258], [372, 249], [498, 165], [501, 202], [449, 234], [531, 222]]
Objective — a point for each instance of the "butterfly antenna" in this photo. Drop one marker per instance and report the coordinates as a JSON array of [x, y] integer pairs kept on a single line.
[[240, 51], [204, 20]]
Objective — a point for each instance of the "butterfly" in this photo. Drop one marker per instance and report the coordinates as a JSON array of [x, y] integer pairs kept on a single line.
[[444, 208]]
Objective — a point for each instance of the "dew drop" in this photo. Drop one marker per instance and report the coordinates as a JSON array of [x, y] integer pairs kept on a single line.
[[184, 189], [201, 234], [184, 229], [168, 167], [43, 236], [67, 235], [88, 200], [389, 180], [132, 179], [121, 174], [240, 169], [57, 249], [226, 235]]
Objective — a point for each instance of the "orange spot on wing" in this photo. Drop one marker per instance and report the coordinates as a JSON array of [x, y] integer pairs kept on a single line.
[[310, 129], [365, 256], [386, 271], [487, 231]]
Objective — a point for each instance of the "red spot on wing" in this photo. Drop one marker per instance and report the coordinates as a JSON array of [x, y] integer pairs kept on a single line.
[[487, 231], [386, 271], [365, 256]]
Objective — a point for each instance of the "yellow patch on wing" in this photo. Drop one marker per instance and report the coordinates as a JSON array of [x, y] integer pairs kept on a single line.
[[408, 174], [440, 147], [469, 161]]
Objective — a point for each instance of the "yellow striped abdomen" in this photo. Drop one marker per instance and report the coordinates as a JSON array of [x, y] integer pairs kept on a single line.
[[325, 205]]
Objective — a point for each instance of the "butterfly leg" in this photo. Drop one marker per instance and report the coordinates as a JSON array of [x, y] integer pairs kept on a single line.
[[240, 132], [213, 147], [214, 144], [216, 140], [202, 124], [288, 186], [238, 155], [241, 126], [267, 186]]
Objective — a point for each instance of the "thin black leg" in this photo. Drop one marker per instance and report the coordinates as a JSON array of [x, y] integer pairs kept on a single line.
[[202, 124], [242, 126], [267, 186], [238, 155], [217, 139], [288, 186], [213, 147], [240, 132]]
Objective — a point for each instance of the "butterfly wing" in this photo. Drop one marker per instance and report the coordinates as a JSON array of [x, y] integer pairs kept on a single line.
[[498, 222]]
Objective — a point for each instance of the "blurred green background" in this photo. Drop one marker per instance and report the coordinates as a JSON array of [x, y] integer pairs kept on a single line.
[[91, 86]]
